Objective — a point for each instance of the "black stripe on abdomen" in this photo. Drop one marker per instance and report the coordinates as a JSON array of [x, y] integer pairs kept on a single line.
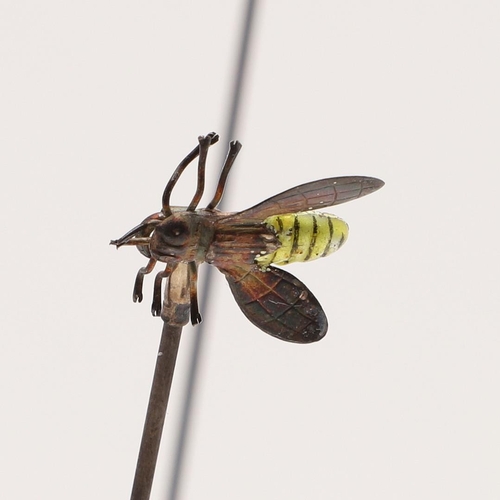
[[312, 241], [327, 247]]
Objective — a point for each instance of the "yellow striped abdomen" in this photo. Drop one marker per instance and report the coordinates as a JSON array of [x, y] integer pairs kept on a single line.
[[304, 236]]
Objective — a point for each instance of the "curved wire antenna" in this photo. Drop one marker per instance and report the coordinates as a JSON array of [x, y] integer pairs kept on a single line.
[[239, 77], [139, 235], [166, 210]]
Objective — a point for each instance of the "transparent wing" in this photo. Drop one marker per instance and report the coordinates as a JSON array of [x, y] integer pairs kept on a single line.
[[277, 303], [311, 196]]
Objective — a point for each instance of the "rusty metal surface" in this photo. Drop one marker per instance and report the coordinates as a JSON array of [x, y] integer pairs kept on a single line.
[[155, 416]]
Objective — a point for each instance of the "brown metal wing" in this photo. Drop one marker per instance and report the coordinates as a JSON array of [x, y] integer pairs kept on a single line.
[[277, 303], [310, 196]]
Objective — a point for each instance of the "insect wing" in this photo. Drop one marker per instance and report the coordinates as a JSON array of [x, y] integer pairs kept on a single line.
[[311, 196], [277, 303]]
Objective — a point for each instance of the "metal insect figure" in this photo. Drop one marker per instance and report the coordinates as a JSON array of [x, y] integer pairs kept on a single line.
[[243, 246]]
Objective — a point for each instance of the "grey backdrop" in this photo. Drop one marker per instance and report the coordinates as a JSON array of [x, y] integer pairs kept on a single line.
[[100, 100]]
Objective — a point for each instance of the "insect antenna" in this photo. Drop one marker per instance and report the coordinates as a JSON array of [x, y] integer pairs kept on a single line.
[[143, 229], [166, 210], [234, 149]]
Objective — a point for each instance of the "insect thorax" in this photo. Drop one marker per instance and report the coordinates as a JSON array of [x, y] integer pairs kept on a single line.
[[182, 237], [304, 236]]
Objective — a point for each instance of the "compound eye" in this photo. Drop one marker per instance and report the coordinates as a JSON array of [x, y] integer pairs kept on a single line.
[[174, 233]]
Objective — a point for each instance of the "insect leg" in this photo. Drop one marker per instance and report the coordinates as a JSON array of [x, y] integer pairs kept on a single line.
[[193, 293], [156, 305], [137, 295], [205, 142], [234, 149], [178, 171]]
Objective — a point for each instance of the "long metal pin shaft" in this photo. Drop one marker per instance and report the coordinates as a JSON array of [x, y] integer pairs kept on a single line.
[[157, 408], [196, 353]]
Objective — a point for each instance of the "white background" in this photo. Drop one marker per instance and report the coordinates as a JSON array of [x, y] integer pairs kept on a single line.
[[100, 100]]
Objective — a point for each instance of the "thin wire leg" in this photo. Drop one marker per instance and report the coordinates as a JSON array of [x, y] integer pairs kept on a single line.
[[234, 149], [202, 161], [178, 171], [193, 293], [137, 295], [157, 305]]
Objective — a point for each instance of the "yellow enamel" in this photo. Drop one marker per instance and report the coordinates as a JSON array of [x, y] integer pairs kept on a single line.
[[304, 236]]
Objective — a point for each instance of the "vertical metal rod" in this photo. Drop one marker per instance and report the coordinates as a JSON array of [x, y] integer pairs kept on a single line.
[[240, 73], [157, 408], [199, 331]]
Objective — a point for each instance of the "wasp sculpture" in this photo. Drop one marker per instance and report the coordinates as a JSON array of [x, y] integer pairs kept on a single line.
[[243, 245]]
